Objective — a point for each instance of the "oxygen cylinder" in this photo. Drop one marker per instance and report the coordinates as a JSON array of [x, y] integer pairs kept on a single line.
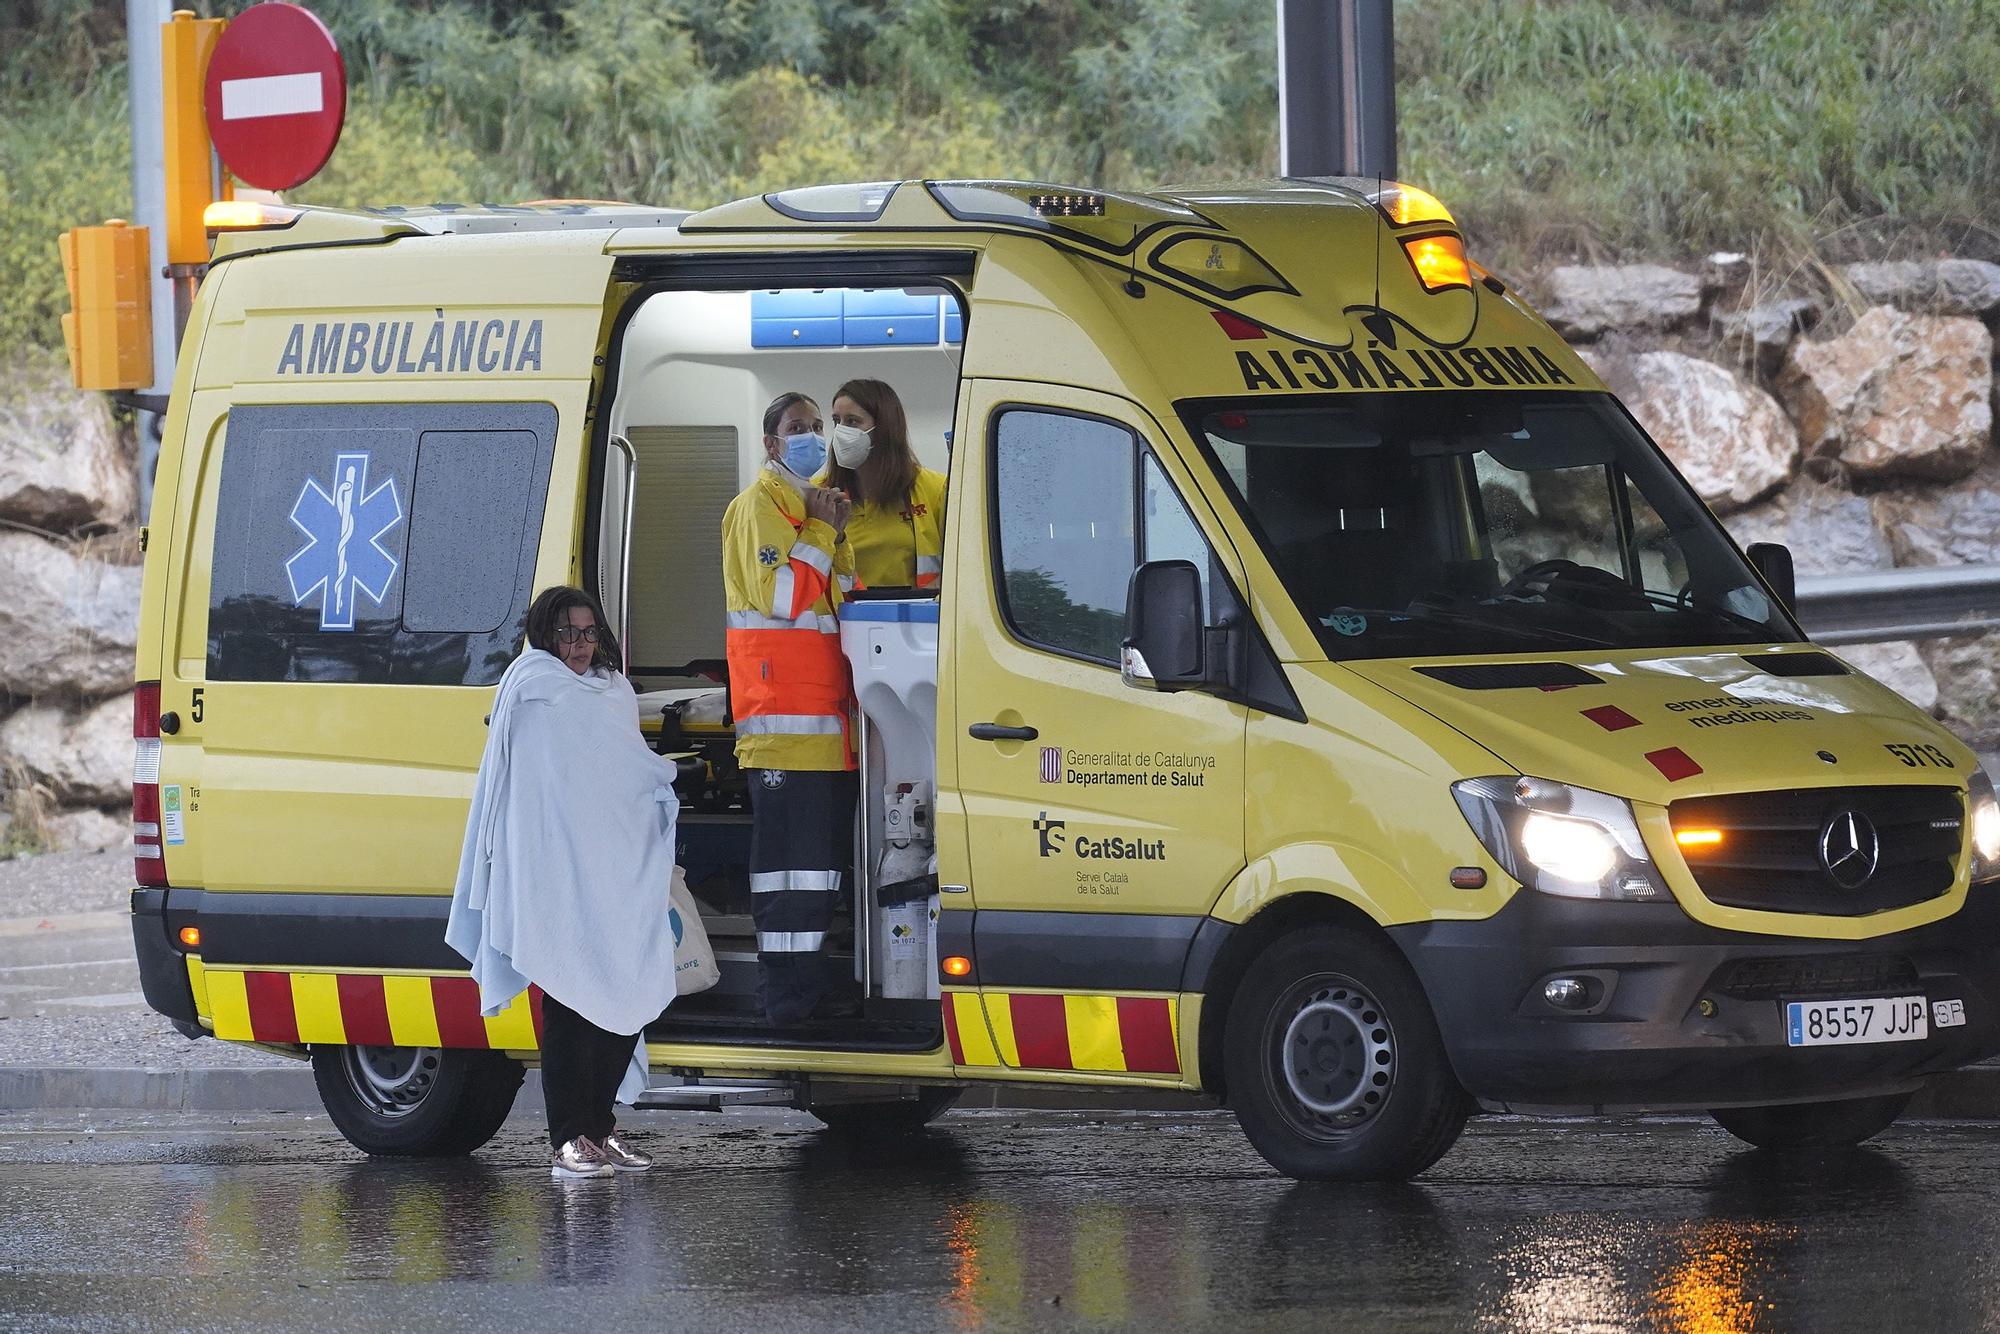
[[906, 927]]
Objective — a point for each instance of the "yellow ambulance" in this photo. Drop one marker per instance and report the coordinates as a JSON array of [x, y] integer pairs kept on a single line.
[[1333, 705]]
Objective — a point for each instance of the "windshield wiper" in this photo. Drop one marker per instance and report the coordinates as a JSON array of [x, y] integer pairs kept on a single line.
[[1671, 602], [1424, 611]]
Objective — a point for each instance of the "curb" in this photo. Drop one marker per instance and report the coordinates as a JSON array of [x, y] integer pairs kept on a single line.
[[72, 1087], [291, 1089]]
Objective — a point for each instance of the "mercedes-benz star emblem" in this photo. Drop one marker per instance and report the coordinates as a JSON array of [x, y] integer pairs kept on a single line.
[[1849, 848]]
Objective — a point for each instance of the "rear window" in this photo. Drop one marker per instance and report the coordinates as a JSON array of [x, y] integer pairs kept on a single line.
[[379, 543]]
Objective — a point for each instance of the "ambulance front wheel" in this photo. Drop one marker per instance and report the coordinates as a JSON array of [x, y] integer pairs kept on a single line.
[[1813, 1125], [1334, 1065], [415, 1102]]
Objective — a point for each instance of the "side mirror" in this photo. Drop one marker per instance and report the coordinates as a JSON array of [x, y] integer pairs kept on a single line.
[[1163, 627], [1773, 560]]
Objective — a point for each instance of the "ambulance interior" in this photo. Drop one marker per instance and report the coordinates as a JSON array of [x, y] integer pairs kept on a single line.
[[696, 371]]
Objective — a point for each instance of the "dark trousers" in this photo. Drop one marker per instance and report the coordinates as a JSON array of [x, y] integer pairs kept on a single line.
[[582, 1066], [801, 849]]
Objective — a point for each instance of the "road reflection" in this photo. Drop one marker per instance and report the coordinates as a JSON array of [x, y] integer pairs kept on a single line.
[[1719, 1283], [983, 1232], [1769, 1223]]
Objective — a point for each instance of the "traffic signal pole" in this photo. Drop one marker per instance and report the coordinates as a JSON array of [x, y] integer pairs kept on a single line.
[[132, 280], [1336, 88], [143, 19]]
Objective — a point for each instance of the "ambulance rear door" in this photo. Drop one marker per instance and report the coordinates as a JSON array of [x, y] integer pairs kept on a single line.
[[396, 472]]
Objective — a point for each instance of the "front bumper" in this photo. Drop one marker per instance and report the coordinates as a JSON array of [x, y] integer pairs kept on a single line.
[[1683, 1015]]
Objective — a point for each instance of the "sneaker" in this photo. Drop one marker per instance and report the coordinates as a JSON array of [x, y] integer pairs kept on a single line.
[[621, 1158], [579, 1160]]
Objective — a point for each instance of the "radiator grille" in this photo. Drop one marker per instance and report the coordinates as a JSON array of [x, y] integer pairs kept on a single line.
[[1769, 855]]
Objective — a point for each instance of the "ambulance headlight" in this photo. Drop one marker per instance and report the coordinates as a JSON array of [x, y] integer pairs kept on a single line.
[[1984, 812], [1563, 840], [1574, 850]]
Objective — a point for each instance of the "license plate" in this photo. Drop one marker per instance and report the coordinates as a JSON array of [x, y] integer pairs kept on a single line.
[[1841, 1022]]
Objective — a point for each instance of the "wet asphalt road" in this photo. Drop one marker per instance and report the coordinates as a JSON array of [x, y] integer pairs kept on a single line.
[[992, 1221]]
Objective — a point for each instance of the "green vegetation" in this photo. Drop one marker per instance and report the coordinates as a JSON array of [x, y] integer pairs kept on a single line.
[[1836, 128], [1658, 128]]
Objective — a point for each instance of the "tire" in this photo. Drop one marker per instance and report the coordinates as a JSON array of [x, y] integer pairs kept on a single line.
[[882, 1120], [1334, 1065], [415, 1102], [1813, 1125]]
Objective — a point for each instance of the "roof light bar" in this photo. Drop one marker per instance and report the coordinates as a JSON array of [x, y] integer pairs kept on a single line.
[[1406, 205], [247, 215]]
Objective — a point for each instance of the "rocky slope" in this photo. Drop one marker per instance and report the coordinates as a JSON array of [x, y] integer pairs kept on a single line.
[[69, 617], [1855, 425]]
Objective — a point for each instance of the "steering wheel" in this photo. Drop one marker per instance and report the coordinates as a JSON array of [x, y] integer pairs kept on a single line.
[[1538, 576]]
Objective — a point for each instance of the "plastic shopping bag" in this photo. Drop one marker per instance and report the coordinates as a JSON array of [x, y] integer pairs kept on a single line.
[[694, 961]]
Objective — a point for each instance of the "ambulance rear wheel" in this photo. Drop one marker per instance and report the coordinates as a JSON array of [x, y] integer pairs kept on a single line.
[[904, 1116], [415, 1102], [1813, 1125], [1334, 1065]]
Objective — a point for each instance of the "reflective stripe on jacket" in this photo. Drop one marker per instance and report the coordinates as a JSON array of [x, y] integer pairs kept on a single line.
[[782, 575], [901, 546]]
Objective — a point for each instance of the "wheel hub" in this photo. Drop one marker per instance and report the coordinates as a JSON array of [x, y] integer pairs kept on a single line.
[[1338, 1055], [391, 1081]]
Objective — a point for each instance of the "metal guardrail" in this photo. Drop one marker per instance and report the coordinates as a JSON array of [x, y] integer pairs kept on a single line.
[[1886, 605]]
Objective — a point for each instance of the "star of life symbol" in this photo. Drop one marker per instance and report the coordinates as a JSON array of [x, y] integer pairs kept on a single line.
[[343, 556], [767, 555]]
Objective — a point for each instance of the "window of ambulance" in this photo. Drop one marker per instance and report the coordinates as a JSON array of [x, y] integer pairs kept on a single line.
[[1422, 524], [1081, 505], [379, 544]]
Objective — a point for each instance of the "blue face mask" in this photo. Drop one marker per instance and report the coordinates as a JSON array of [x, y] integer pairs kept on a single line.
[[805, 453]]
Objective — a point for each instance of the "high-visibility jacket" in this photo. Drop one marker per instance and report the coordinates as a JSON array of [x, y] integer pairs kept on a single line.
[[789, 687], [901, 545]]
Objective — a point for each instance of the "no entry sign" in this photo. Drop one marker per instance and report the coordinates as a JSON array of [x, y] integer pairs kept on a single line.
[[276, 95]]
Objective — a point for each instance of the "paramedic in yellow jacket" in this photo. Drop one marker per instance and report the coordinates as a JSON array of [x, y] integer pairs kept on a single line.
[[898, 524], [785, 559]]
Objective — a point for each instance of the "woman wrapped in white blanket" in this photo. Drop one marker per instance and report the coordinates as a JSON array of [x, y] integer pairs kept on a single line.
[[564, 875]]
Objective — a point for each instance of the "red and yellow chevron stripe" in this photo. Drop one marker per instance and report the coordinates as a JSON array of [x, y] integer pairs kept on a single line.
[[1023, 1030], [1050, 1031], [365, 1009]]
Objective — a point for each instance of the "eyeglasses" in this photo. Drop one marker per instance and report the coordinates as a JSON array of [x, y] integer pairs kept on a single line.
[[569, 634]]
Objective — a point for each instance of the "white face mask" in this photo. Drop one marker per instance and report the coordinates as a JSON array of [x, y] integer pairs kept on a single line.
[[850, 445]]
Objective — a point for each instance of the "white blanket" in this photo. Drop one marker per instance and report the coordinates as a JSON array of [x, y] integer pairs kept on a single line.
[[568, 859]]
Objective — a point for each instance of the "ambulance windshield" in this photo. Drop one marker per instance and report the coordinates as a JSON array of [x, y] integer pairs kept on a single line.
[[1418, 524]]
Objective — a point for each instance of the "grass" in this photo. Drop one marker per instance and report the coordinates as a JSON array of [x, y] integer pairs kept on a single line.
[[27, 806], [1796, 132]]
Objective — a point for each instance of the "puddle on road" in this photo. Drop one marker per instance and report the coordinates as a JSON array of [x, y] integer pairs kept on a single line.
[[998, 1221]]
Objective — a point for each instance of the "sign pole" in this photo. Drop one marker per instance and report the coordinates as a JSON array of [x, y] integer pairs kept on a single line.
[[149, 198], [1336, 88], [192, 174]]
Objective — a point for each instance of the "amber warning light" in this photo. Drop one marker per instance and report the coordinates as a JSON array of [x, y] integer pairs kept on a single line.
[[246, 215], [1406, 205], [1698, 838], [957, 965], [1439, 262], [191, 937]]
